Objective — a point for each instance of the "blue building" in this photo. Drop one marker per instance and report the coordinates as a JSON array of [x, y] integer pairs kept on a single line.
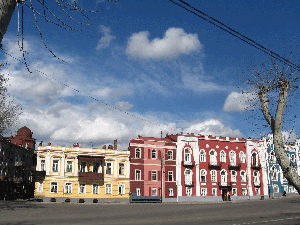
[[277, 184]]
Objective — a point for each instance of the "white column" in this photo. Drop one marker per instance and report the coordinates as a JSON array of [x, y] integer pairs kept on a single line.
[[48, 163]]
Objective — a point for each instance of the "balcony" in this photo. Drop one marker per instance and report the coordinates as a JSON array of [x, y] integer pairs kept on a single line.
[[234, 166], [189, 184], [257, 184], [90, 176], [214, 165], [225, 184], [188, 163], [38, 175], [256, 166]]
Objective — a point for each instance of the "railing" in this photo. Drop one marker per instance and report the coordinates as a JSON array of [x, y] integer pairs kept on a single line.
[[256, 166], [234, 166], [257, 184], [189, 184], [90, 176], [188, 163], [214, 165], [225, 184]]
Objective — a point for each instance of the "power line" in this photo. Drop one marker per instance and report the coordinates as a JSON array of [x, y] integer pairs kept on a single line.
[[233, 32]]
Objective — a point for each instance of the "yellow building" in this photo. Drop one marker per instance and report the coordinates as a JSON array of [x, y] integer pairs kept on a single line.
[[78, 174]]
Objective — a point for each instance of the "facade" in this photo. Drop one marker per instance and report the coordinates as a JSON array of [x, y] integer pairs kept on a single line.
[[75, 174], [202, 168], [277, 184], [17, 164]]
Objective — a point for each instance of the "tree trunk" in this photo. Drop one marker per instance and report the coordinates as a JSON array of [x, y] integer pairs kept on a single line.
[[7, 8]]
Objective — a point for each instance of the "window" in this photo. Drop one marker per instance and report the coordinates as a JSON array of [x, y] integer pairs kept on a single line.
[[254, 159], [213, 176], [170, 175], [154, 154], [109, 168], [223, 177], [232, 158], [256, 177], [202, 156], [43, 165], [55, 166], [154, 175], [234, 191], [96, 167], [83, 167], [121, 168], [291, 189], [68, 188], [233, 176], [154, 191], [189, 191], [242, 157], [273, 174], [95, 189], [81, 188], [138, 191], [203, 191], [40, 187], [170, 155], [257, 191], [137, 153], [244, 191], [223, 156], [187, 155], [243, 176], [107, 188], [53, 187], [69, 168], [203, 175], [121, 188], [272, 157], [214, 191], [171, 192], [137, 175], [213, 157], [188, 177]]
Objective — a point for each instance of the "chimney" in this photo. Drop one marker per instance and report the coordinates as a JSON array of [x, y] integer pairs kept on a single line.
[[104, 147], [110, 147], [49, 143], [116, 144]]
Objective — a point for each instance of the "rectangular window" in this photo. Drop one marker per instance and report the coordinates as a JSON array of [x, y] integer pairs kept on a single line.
[[121, 188], [170, 175], [109, 168], [244, 191], [81, 188], [55, 166], [203, 191], [107, 188], [83, 168], [95, 189], [154, 175], [189, 191], [68, 188], [234, 191], [40, 187], [154, 154], [170, 155], [121, 168], [69, 168], [53, 187], [138, 191], [214, 191], [257, 191], [137, 175], [96, 167], [43, 165], [138, 153], [154, 191], [171, 192]]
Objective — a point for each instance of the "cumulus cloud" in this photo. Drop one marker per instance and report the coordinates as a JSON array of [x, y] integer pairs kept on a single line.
[[238, 101], [289, 136], [124, 105], [212, 127], [107, 38], [174, 43]]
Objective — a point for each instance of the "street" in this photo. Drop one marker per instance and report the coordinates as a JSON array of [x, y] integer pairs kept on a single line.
[[269, 211]]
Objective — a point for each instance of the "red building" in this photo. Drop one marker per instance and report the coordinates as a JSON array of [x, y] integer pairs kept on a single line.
[[197, 168]]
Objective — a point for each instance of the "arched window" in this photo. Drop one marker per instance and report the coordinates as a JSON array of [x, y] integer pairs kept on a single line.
[[187, 155], [293, 158], [154, 154], [213, 176], [273, 174], [188, 177], [223, 177], [203, 175], [222, 156], [232, 158], [256, 177], [243, 176], [233, 176], [202, 156], [213, 157], [272, 157], [254, 159], [242, 157], [170, 155]]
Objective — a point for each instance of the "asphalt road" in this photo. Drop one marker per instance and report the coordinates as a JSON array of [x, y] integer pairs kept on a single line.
[[276, 211]]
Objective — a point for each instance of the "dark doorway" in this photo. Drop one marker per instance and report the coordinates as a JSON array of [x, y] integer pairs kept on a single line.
[[224, 195]]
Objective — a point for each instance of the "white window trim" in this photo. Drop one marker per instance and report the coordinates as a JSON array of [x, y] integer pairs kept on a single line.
[[39, 187], [79, 189], [58, 165], [170, 173], [123, 189], [65, 188], [171, 192], [203, 191], [171, 155], [138, 191], [156, 175], [140, 176], [106, 192], [56, 187], [139, 154], [112, 168], [204, 155], [97, 189], [154, 188], [67, 166], [123, 169], [215, 192]]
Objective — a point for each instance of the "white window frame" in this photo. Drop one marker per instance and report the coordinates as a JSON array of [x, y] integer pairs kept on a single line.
[[154, 175], [170, 155], [242, 157], [214, 192], [234, 191], [243, 177], [170, 174], [122, 170], [154, 191], [214, 176], [153, 154], [55, 166], [232, 158], [68, 166], [244, 191], [187, 155], [213, 157], [95, 189], [171, 192], [138, 175], [138, 191], [68, 188], [108, 188], [203, 174], [121, 189], [233, 174], [80, 190], [107, 168], [223, 156], [138, 153], [189, 191], [202, 155], [203, 191], [257, 191], [52, 185], [83, 169], [39, 187], [43, 164]]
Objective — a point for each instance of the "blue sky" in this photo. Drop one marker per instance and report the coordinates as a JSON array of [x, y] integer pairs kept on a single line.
[[152, 59]]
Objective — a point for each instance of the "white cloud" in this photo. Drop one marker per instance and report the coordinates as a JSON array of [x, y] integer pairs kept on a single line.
[[212, 127], [239, 101], [175, 42], [124, 105], [289, 136], [107, 38]]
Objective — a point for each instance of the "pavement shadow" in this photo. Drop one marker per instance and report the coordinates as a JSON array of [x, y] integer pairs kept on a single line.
[[13, 205]]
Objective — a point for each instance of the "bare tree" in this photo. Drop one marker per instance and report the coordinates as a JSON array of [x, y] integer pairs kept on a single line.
[[9, 110], [274, 84]]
